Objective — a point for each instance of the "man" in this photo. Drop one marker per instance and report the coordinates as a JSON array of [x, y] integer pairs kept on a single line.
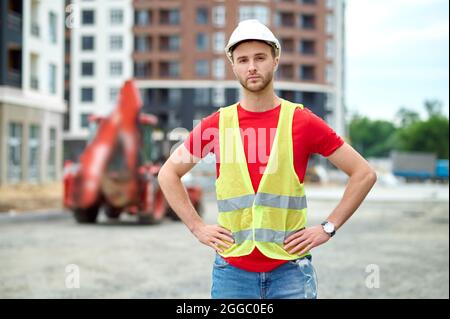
[[262, 243]]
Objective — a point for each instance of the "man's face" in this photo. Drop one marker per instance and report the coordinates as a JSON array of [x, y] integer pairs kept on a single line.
[[254, 65]]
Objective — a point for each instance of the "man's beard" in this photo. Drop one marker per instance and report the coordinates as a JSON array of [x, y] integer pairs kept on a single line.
[[261, 86]]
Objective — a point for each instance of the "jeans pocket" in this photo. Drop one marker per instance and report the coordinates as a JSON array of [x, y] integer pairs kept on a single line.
[[298, 260], [220, 262], [309, 277]]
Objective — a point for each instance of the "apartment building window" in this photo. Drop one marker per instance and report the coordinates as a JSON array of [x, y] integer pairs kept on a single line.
[[285, 19], [202, 42], [33, 153], [67, 115], [87, 69], [34, 71], [260, 13], [141, 43], [309, 98], [169, 69], [308, 47], [329, 73], [202, 15], [201, 96], [218, 96], [202, 68], [219, 41], [113, 94], [67, 71], [87, 94], [308, 72], [116, 16], [174, 96], [329, 24], [309, 2], [219, 16], [15, 141], [115, 68], [142, 17], [66, 46], [53, 27], [142, 69], [329, 49], [171, 17], [34, 24], [84, 120], [147, 95], [87, 17], [169, 43], [308, 21], [291, 95], [116, 42], [51, 168], [286, 71], [330, 101], [52, 79], [288, 45], [219, 69], [87, 43]]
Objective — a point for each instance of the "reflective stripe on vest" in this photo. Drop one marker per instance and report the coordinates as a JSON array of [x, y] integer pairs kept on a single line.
[[261, 199], [263, 235]]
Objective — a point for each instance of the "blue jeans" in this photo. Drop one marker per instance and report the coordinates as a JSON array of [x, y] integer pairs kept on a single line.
[[295, 279]]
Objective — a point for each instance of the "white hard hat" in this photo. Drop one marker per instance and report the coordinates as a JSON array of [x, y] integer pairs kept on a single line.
[[251, 30]]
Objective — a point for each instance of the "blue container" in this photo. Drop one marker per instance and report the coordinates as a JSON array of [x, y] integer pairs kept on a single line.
[[442, 169]]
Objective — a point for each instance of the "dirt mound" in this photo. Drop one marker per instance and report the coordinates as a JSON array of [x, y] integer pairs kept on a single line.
[[27, 197]]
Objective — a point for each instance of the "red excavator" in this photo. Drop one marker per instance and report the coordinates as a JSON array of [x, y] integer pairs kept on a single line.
[[116, 171]]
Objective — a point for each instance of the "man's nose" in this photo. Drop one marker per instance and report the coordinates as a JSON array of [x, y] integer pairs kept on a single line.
[[251, 67]]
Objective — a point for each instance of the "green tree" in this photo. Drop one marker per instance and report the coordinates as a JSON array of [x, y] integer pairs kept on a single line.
[[426, 136], [407, 117], [372, 138], [433, 107], [379, 138]]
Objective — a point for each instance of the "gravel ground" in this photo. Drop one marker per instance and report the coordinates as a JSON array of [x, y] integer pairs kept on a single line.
[[402, 238]]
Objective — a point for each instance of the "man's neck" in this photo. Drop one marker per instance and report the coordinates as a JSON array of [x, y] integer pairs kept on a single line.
[[260, 101]]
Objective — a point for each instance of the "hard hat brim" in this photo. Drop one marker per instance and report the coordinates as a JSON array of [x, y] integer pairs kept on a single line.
[[232, 46]]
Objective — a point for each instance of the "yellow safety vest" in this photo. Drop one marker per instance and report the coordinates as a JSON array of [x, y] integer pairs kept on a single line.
[[278, 208]]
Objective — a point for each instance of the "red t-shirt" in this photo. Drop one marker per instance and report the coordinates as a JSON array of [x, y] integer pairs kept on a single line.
[[310, 134]]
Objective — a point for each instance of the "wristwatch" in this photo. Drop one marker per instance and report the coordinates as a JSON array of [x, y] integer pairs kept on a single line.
[[328, 228]]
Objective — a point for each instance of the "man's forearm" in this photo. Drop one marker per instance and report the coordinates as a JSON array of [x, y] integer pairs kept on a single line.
[[356, 191], [178, 199]]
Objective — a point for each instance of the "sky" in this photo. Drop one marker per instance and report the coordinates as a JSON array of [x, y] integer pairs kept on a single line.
[[397, 55]]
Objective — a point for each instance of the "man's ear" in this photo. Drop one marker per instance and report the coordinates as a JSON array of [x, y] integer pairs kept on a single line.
[[276, 62]]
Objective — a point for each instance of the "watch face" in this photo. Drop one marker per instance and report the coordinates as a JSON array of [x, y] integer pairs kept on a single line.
[[329, 228]]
